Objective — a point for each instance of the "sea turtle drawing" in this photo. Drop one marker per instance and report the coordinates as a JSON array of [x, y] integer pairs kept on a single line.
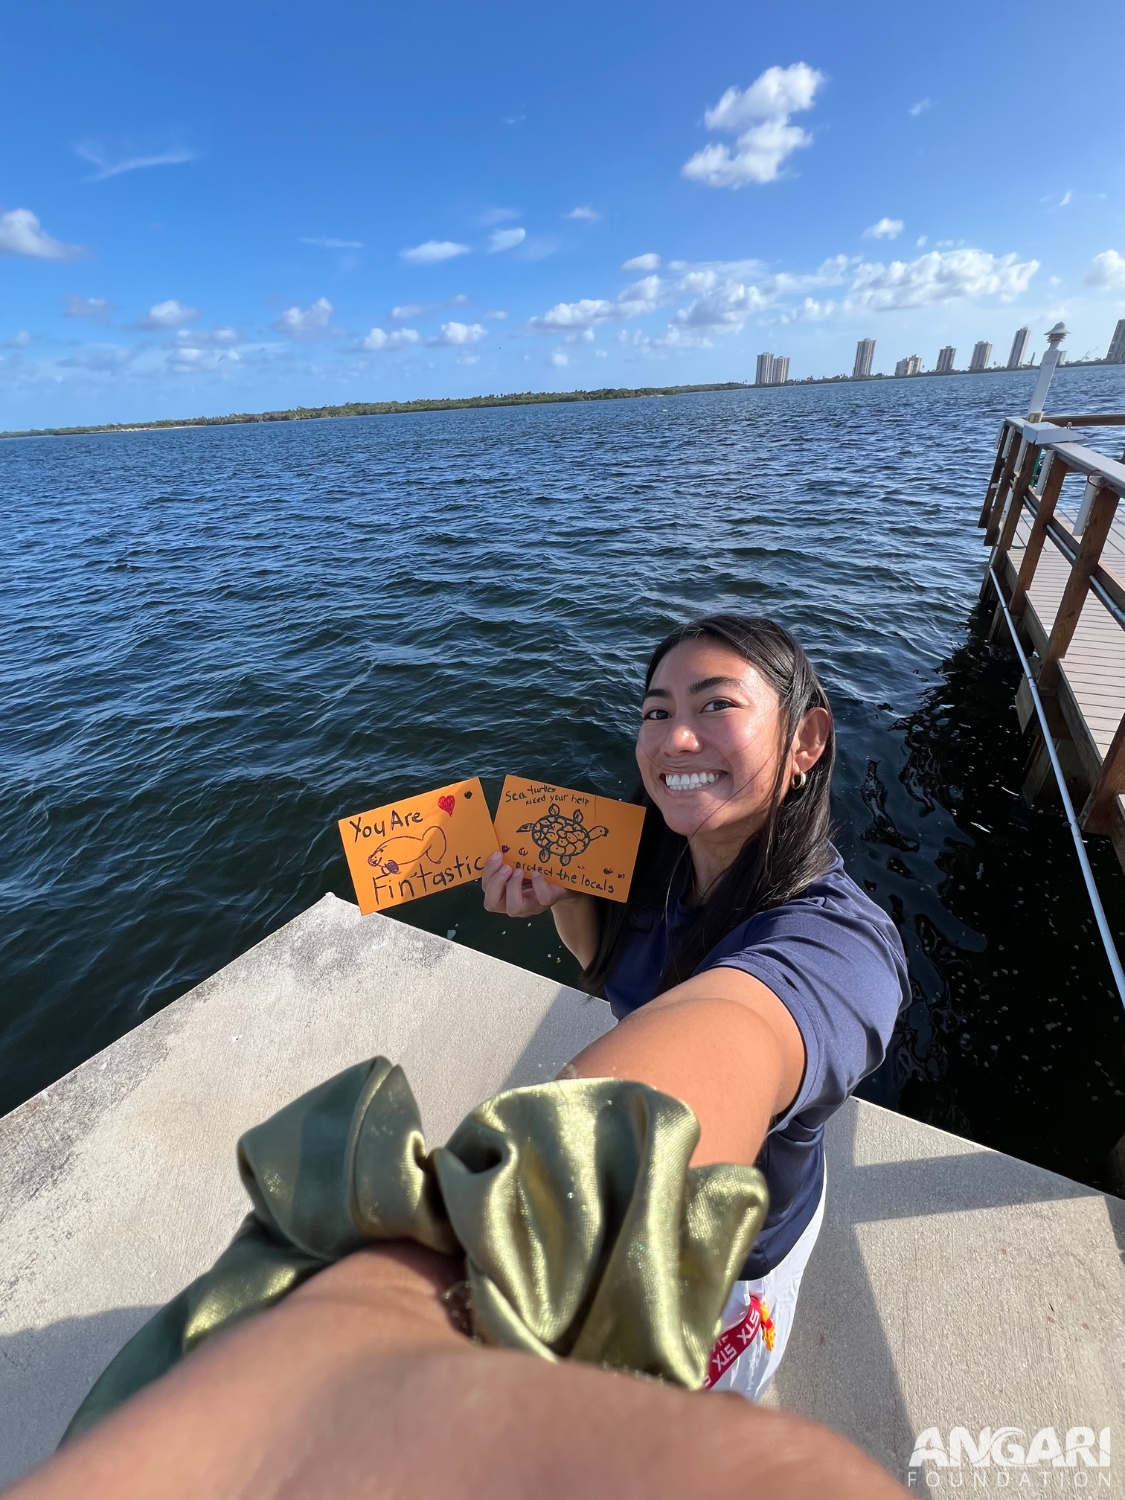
[[561, 836], [403, 853]]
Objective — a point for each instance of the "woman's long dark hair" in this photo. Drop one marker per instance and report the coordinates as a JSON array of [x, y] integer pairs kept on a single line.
[[774, 865]]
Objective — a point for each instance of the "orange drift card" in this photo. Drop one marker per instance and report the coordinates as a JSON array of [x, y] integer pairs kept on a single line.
[[574, 838], [419, 845]]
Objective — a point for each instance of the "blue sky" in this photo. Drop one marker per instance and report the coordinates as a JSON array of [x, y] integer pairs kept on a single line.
[[238, 207]]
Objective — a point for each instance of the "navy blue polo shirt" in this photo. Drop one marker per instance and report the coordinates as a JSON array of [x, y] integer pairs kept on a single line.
[[835, 961]]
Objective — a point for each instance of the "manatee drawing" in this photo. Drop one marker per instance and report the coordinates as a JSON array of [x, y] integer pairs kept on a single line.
[[563, 837], [403, 853]]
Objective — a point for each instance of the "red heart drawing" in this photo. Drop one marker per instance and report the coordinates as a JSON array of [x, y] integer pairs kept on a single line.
[[446, 804]]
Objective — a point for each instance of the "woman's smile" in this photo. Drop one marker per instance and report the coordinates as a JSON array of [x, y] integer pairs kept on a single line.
[[690, 781]]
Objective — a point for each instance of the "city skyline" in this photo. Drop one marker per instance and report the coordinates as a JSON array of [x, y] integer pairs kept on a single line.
[[455, 203]]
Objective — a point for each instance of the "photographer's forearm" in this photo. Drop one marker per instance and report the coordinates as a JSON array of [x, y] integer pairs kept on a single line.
[[250, 1407], [358, 1387]]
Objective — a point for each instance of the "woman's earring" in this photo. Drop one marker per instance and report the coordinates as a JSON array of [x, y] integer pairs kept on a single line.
[[799, 780]]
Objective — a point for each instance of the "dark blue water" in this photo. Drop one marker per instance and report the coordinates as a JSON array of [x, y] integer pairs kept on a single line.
[[215, 642]]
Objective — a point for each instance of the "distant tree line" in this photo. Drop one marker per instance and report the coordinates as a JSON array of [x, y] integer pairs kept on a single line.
[[386, 408]]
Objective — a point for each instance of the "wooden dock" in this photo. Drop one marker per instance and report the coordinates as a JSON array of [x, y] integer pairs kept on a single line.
[[1051, 516]]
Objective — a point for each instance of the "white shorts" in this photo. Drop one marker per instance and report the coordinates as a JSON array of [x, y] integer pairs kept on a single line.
[[758, 1319]]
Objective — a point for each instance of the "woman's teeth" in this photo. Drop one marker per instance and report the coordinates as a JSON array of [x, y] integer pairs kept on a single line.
[[688, 783]]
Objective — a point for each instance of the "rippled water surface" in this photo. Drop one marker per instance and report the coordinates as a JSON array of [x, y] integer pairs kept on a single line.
[[215, 642]]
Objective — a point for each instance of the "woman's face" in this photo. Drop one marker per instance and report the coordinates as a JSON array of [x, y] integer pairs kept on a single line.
[[710, 741]]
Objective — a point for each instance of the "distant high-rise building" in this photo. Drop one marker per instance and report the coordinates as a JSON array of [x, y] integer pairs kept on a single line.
[[1019, 348], [945, 360], [864, 354], [982, 353], [911, 365], [773, 369], [1116, 355]]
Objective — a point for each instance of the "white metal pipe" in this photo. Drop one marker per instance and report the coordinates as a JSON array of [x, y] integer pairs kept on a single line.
[[1046, 370]]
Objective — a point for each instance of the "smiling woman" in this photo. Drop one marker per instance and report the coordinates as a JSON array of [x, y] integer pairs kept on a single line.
[[753, 978]]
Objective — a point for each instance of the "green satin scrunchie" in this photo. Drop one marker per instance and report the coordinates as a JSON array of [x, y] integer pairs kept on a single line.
[[585, 1233]]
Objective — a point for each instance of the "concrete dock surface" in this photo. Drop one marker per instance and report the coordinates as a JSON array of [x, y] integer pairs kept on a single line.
[[951, 1286]]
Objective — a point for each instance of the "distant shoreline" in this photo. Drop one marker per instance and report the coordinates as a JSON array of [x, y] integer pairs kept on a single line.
[[466, 403]]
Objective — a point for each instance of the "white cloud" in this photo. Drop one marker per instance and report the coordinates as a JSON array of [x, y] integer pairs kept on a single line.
[[305, 324], [920, 241], [723, 308], [539, 247], [584, 213], [1065, 199], [97, 309], [718, 298], [192, 357], [498, 315], [433, 251], [1107, 270], [424, 309], [938, 277], [497, 216], [206, 338], [378, 340], [774, 95], [98, 155], [921, 107], [647, 262], [759, 118], [886, 229], [457, 334], [570, 317], [22, 234], [327, 244], [559, 358], [170, 314], [505, 239], [103, 358], [19, 340]]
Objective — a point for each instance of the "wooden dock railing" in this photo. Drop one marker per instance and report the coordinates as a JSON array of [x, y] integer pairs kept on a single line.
[[1068, 600]]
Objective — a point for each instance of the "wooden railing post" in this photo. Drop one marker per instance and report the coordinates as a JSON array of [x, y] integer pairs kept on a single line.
[[1051, 489], [1015, 505], [1095, 817], [1077, 585], [997, 509], [1003, 443]]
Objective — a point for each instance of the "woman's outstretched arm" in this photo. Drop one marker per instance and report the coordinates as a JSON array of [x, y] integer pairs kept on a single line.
[[724, 1044]]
